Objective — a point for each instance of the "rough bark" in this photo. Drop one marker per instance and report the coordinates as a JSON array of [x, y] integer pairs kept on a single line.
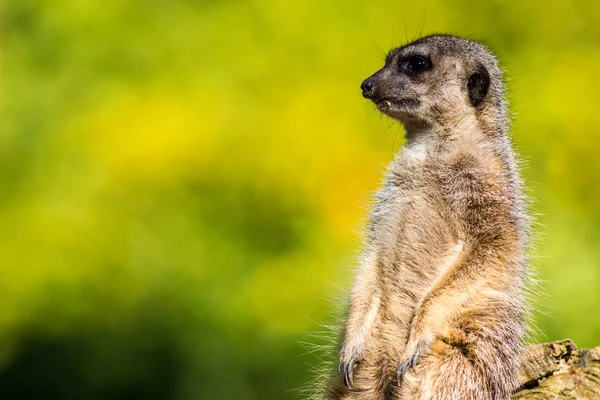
[[560, 371]]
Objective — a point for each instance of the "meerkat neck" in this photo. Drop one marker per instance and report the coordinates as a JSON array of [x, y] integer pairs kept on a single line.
[[469, 128], [418, 131]]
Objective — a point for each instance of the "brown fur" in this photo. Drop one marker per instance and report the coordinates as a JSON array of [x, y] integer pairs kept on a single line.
[[437, 309]]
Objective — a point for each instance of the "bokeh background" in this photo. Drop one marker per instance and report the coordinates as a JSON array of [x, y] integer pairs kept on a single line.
[[183, 182]]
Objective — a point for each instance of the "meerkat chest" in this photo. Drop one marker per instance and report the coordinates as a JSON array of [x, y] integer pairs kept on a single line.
[[403, 195], [411, 209], [409, 174]]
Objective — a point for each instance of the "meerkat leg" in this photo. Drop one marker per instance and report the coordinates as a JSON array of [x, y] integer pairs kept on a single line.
[[364, 308], [480, 324], [476, 359], [433, 311]]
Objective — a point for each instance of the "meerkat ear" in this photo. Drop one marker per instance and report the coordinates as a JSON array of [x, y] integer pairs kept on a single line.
[[478, 86]]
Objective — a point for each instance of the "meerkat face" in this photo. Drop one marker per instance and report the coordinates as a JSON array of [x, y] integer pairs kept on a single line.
[[433, 79]]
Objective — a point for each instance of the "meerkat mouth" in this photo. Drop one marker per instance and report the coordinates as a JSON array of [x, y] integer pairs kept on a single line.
[[393, 107], [389, 107], [385, 105]]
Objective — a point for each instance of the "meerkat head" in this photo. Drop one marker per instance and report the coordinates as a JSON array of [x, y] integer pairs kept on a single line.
[[436, 79]]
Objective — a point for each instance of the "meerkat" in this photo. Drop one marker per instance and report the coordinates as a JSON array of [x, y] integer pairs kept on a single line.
[[437, 310]]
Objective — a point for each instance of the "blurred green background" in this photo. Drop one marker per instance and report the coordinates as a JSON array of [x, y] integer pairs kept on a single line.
[[182, 181]]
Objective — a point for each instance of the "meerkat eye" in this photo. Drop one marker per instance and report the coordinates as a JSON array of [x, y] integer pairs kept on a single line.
[[415, 64]]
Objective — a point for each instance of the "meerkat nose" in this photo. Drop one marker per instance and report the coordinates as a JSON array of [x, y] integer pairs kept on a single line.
[[368, 88]]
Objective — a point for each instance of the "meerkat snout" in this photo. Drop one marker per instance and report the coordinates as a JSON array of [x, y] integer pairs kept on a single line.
[[367, 88]]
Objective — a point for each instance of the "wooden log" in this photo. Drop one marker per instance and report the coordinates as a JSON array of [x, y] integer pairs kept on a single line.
[[559, 371]]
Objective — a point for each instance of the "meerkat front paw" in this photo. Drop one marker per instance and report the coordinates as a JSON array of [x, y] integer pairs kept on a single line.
[[412, 354], [349, 357]]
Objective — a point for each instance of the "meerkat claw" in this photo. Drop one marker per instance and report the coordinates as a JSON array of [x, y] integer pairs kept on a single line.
[[414, 360], [410, 362], [404, 366], [401, 371], [347, 372]]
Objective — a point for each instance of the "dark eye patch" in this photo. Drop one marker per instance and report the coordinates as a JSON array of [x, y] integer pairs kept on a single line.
[[415, 64]]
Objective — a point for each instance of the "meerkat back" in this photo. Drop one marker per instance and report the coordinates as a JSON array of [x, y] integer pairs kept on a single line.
[[437, 310]]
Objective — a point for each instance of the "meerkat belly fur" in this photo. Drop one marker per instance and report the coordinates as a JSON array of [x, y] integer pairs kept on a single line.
[[437, 310]]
